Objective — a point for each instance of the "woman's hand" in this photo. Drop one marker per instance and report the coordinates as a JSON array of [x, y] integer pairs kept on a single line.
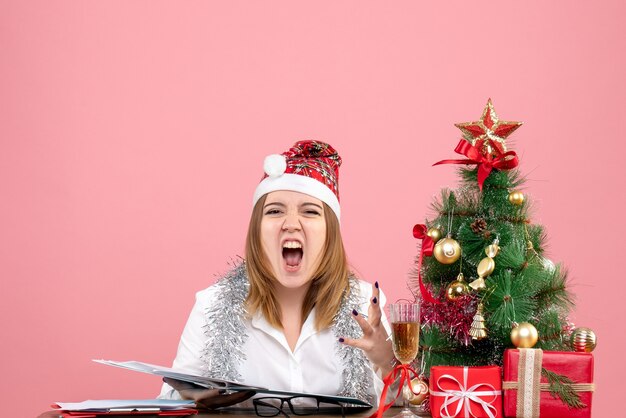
[[375, 342], [207, 398]]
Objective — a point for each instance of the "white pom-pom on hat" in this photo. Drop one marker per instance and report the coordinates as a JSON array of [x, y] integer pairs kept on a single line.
[[275, 165]]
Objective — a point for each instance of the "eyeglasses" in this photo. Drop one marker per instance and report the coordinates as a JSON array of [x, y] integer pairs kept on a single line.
[[298, 405]]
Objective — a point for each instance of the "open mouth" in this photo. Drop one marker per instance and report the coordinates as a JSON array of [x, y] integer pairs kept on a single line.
[[292, 253]]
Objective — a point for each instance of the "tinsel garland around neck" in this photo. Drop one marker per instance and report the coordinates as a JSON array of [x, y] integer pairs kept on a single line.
[[225, 325], [226, 337], [357, 372]]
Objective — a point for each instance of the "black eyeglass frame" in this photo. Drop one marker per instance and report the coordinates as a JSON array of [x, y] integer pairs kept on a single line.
[[279, 409]]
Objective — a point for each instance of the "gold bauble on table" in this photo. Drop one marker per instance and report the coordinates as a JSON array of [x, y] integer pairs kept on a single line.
[[447, 250], [434, 233], [583, 340], [516, 198], [419, 394], [524, 335], [457, 288]]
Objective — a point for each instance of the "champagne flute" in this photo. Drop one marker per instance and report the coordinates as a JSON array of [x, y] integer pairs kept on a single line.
[[405, 332]]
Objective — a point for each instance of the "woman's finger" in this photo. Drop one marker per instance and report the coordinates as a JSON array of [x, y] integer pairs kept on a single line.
[[373, 311], [225, 400], [365, 326], [182, 385], [198, 395], [210, 398], [360, 343]]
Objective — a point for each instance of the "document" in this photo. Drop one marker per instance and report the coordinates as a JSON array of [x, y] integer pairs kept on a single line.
[[114, 405], [183, 375], [208, 382]]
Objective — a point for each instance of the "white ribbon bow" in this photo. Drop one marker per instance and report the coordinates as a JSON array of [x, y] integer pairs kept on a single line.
[[464, 396]]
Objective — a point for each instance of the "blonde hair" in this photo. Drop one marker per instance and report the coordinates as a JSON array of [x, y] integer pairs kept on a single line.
[[329, 283]]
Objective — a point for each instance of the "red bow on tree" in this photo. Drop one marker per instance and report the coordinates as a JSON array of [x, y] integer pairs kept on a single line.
[[485, 162], [420, 232]]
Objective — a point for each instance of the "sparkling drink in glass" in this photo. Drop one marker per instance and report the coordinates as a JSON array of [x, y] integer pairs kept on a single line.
[[405, 337], [405, 334]]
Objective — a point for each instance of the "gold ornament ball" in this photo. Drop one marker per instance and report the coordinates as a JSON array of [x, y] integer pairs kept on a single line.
[[524, 335], [457, 288], [419, 394], [516, 198], [434, 233], [447, 251], [583, 340]]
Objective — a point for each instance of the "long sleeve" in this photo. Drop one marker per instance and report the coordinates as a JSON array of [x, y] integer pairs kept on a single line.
[[192, 342]]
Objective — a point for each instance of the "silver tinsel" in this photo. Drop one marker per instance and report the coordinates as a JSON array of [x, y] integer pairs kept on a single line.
[[357, 372], [224, 329], [225, 332]]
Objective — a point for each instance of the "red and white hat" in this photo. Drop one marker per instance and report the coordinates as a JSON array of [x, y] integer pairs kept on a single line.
[[310, 167]]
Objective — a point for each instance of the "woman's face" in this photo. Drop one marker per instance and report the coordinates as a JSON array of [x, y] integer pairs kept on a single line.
[[293, 232]]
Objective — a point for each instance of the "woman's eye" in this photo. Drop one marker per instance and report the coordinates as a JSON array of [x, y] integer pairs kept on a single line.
[[312, 212], [272, 212]]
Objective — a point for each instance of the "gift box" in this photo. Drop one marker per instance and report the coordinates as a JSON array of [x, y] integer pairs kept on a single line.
[[465, 391], [529, 376]]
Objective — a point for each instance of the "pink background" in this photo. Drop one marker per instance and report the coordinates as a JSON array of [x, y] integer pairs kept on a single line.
[[133, 132]]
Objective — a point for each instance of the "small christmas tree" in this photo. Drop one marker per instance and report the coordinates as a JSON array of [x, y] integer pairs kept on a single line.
[[482, 234]]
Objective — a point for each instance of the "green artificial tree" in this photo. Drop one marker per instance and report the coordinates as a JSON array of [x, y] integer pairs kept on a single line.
[[471, 304]]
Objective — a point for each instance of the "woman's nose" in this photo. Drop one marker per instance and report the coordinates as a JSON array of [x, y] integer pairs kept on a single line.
[[292, 223]]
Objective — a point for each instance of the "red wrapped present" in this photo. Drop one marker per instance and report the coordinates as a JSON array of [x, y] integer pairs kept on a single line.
[[466, 392], [530, 389]]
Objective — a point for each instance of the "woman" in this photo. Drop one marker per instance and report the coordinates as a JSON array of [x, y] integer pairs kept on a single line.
[[291, 316]]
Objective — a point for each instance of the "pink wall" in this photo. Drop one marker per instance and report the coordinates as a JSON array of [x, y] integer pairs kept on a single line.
[[132, 136]]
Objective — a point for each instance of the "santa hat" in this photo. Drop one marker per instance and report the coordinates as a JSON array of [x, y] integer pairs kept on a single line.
[[310, 167]]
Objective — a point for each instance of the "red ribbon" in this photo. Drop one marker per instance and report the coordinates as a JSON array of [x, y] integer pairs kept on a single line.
[[485, 163], [420, 232], [405, 372]]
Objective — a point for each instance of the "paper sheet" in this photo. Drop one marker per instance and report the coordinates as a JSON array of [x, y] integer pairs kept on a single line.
[[104, 405]]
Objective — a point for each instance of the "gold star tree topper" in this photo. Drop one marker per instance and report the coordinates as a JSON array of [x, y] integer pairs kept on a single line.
[[489, 131]]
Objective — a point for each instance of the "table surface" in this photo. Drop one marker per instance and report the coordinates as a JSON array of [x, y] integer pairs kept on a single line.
[[241, 414]]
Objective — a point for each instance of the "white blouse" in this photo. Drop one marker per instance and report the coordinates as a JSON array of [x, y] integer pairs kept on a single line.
[[313, 366]]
